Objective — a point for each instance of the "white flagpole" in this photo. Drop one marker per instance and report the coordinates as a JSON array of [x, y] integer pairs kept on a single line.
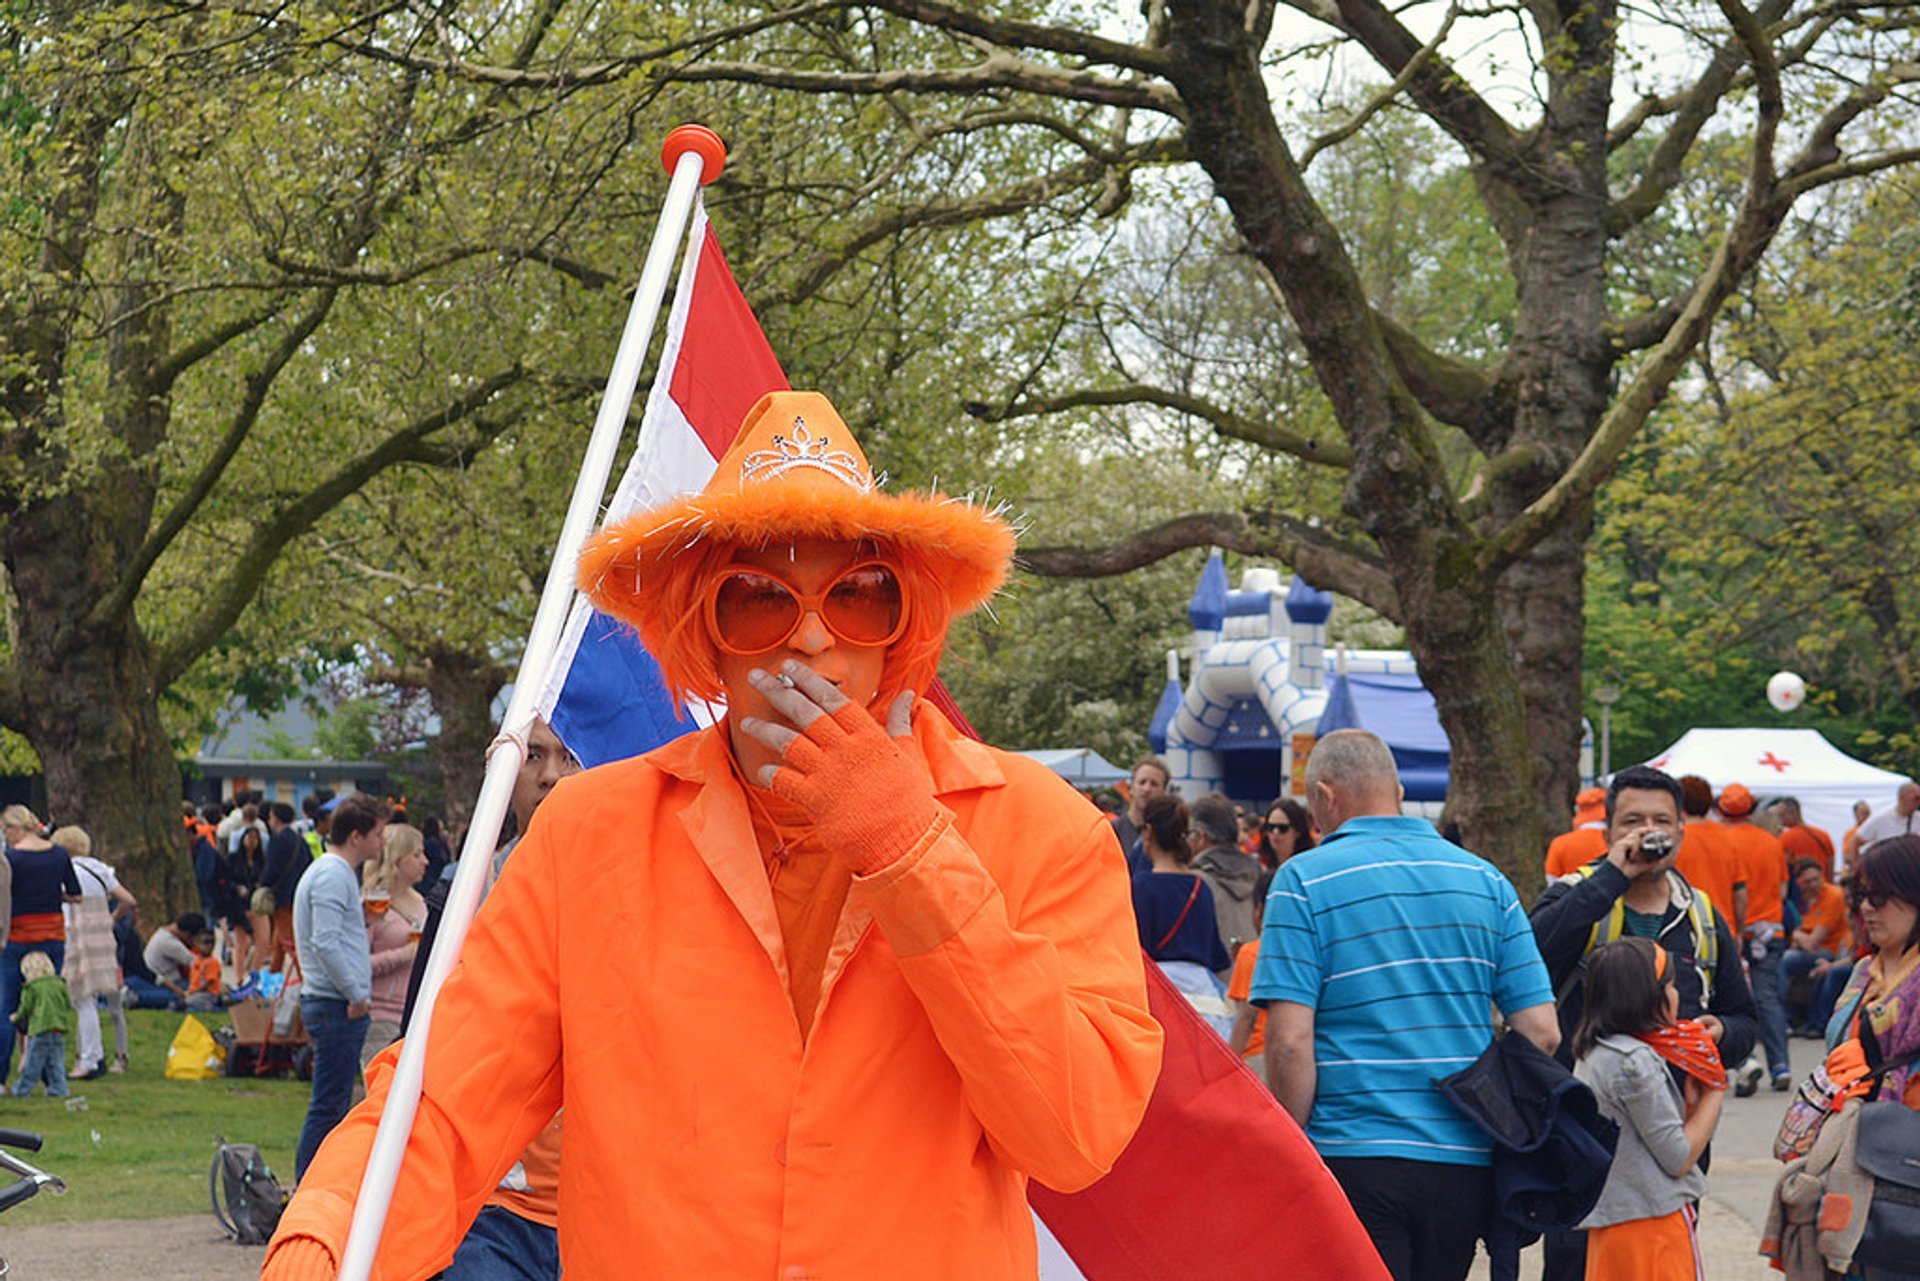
[[694, 156]]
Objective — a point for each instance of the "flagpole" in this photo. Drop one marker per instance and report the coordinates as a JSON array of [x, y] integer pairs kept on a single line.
[[694, 155]]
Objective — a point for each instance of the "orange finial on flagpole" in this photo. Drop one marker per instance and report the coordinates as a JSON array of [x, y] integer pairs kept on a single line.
[[703, 142]]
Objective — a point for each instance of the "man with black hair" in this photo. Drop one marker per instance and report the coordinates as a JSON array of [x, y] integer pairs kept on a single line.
[[169, 956], [1636, 891], [287, 859]]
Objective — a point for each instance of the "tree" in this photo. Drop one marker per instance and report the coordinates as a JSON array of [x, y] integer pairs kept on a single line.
[[215, 228], [1766, 523], [1485, 574]]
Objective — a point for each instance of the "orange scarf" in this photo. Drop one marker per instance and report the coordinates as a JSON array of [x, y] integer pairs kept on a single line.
[[1687, 1046]]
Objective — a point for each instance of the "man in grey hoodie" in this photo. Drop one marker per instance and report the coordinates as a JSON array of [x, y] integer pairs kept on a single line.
[[1230, 874]]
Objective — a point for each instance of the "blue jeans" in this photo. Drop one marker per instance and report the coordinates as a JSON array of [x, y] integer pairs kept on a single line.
[[10, 985], [1796, 962], [502, 1246], [336, 1063], [45, 1060], [1826, 994], [1767, 994], [148, 995]]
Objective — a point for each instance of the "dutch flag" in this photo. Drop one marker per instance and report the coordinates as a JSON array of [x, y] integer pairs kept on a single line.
[[605, 699]]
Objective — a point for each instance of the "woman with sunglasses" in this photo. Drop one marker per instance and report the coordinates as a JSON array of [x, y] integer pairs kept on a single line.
[[1879, 1012], [822, 986], [1286, 832]]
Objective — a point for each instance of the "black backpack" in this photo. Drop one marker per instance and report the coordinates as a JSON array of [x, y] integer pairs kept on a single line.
[[253, 1197]]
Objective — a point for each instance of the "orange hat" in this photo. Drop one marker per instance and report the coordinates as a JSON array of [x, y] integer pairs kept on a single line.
[[1590, 806], [793, 472], [1736, 800]]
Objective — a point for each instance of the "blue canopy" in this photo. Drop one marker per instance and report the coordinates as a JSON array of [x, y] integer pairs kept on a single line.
[[1401, 711]]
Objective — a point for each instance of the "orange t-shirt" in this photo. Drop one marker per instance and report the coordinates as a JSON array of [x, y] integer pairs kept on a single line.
[[1571, 851], [204, 975], [1710, 863], [1240, 988], [1808, 842], [1765, 863], [1829, 909]]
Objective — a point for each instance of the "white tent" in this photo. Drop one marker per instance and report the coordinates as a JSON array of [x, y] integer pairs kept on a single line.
[[1081, 766], [1784, 762]]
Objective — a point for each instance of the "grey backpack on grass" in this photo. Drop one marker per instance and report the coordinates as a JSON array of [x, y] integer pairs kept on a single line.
[[252, 1197]]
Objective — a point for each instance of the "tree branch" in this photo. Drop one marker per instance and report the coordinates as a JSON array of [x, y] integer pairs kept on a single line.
[[1842, 170], [1267, 435], [1822, 147], [1028, 35], [989, 204], [118, 602], [515, 75], [222, 605], [1451, 390], [312, 273], [168, 369], [1694, 109], [1440, 91], [1327, 562], [1746, 239], [998, 70], [1378, 102]]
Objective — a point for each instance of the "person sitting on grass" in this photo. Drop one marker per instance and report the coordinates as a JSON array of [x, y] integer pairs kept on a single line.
[[46, 1018], [169, 957], [204, 984]]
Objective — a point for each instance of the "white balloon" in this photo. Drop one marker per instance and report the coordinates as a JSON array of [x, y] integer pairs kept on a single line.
[[1786, 691]]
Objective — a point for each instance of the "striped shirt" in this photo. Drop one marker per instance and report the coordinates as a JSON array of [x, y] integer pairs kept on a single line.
[[1401, 943]]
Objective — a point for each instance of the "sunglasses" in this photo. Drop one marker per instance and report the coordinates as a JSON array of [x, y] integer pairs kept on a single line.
[[1278, 827], [750, 611], [1878, 898]]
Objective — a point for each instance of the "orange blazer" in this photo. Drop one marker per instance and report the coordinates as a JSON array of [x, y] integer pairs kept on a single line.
[[982, 1020]]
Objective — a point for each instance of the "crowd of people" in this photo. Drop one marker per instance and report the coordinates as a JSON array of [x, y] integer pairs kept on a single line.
[[824, 986], [1682, 938]]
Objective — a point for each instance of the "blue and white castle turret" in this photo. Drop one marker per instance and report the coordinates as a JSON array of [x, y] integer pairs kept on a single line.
[[1258, 684]]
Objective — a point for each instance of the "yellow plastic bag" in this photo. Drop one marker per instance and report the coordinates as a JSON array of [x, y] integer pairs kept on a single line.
[[194, 1054]]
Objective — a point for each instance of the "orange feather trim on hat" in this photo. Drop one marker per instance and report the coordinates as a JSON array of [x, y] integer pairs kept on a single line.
[[794, 473]]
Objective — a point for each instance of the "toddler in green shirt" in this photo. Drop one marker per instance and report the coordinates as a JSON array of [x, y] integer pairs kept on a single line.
[[46, 1016]]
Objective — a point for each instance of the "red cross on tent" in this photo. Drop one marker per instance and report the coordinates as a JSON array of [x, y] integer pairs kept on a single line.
[[1775, 761]]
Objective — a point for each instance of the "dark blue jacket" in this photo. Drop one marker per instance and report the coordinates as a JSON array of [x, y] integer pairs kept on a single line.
[[1552, 1147]]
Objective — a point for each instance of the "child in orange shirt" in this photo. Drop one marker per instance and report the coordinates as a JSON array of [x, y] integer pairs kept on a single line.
[[204, 984], [1249, 1038]]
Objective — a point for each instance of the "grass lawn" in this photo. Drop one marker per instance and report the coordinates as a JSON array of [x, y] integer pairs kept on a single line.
[[142, 1148]]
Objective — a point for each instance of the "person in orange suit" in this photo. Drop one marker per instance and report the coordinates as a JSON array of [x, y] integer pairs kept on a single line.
[[821, 986], [1570, 851]]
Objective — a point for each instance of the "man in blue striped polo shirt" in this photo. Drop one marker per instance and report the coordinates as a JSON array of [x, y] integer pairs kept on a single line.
[[1383, 954]]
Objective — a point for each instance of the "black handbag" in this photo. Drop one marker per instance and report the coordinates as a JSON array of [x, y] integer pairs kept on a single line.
[[1889, 1150]]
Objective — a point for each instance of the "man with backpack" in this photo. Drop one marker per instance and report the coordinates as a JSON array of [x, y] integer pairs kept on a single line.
[[1635, 890]]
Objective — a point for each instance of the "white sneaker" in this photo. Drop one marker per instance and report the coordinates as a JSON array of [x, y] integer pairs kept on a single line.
[[1747, 1077]]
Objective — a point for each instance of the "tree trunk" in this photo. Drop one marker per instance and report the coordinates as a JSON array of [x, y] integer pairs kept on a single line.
[[463, 687], [1455, 631], [1398, 486], [90, 707]]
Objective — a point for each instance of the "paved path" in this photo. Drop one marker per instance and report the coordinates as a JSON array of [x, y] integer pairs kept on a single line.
[[187, 1249], [192, 1249]]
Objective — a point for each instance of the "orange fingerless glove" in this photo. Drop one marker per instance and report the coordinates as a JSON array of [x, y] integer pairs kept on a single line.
[[301, 1259], [869, 799]]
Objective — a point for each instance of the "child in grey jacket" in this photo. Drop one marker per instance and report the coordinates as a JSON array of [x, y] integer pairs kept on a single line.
[[1643, 1227]]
